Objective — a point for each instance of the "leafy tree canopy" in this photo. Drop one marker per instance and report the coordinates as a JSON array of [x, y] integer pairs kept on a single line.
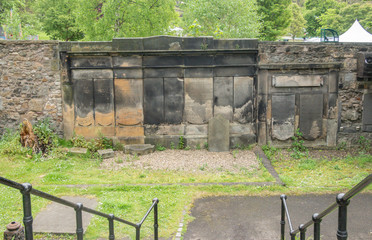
[[297, 27], [221, 19], [341, 19], [276, 17], [103, 20]]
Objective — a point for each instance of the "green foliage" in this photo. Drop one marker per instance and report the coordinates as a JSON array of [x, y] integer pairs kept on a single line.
[[181, 143], [341, 19], [221, 19], [298, 148], [297, 26], [276, 17], [159, 147], [364, 144], [269, 151], [313, 12], [58, 19], [105, 20], [46, 135], [10, 144], [92, 145]]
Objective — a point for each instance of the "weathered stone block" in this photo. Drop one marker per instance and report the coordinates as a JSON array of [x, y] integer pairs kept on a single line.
[[223, 97], [127, 61], [128, 73], [235, 59], [163, 72], [199, 60], [198, 100], [367, 112], [234, 71], [160, 42], [130, 131], [283, 116], [196, 141], [197, 129], [149, 61], [78, 151], [91, 62], [236, 128], [153, 100], [139, 149], [218, 134], [173, 100], [242, 140], [92, 73], [129, 101], [311, 112], [106, 153], [243, 99], [83, 98], [197, 43], [167, 141], [297, 80], [170, 130], [198, 72], [104, 102]]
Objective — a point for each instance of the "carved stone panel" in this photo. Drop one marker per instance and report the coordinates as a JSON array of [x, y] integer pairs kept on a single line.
[[104, 102], [173, 100], [83, 98], [223, 96], [153, 100], [243, 99]]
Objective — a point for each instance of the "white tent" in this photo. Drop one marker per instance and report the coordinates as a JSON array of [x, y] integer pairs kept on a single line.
[[356, 33]]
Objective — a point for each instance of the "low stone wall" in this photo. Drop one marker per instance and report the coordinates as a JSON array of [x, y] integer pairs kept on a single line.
[[29, 83]]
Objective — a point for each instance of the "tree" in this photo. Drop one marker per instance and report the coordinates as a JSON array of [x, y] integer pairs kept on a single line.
[[103, 20], [58, 20], [341, 19], [276, 17], [227, 19], [314, 10], [297, 27]]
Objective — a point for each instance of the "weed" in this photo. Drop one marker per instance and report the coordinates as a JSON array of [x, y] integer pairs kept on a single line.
[[46, 135], [298, 148], [206, 145], [203, 167], [181, 143], [119, 160], [269, 151], [10, 144], [159, 147], [364, 144], [198, 146], [172, 145], [187, 148], [341, 146], [234, 152], [118, 146]]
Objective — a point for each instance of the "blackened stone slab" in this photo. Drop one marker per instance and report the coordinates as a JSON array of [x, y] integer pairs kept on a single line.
[[200, 60], [162, 60], [91, 62], [311, 112], [198, 100], [173, 100], [236, 44], [243, 99], [197, 43], [163, 72], [104, 102], [83, 98], [367, 112], [234, 71], [129, 101], [198, 72], [160, 42], [127, 61], [218, 134], [127, 43], [223, 96], [92, 73], [128, 73], [153, 100], [283, 116], [235, 59]]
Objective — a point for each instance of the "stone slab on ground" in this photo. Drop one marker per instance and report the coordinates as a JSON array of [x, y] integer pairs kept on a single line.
[[57, 218], [139, 149], [218, 134], [78, 151], [258, 218], [106, 153]]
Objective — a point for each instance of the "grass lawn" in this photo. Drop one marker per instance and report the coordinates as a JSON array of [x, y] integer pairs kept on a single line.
[[131, 201]]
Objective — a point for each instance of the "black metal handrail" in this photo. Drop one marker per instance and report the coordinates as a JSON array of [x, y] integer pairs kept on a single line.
[[26, 190], [342, 201]]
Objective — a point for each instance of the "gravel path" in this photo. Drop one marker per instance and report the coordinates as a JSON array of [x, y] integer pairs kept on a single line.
[[186, 160]]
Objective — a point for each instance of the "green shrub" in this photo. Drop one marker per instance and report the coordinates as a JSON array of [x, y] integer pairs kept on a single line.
[[46, 135], [10, 144]]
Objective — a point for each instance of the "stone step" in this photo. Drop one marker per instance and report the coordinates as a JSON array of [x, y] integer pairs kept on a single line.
[[139, 149]]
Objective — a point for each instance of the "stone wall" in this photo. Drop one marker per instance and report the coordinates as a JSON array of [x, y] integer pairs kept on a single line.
[[29, 83], [352, 93], [37, 81]]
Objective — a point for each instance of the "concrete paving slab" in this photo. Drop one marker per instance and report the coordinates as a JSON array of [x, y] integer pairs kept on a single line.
[[57, 218], [258, 218]]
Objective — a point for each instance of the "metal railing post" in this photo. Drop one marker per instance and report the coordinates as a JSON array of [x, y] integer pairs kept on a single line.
[[79, 221], [316, 226], [293, 236], [282, 221], [342, 217], [302, 232], [111, 227], [156, 226], [27, 213], [138, 232]]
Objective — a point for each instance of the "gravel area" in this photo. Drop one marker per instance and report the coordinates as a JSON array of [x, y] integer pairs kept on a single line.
[[186, 160]]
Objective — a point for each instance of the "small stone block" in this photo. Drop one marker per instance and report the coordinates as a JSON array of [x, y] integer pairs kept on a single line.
[[139, 149], [106, 153], [218, 134], [78, 151]]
